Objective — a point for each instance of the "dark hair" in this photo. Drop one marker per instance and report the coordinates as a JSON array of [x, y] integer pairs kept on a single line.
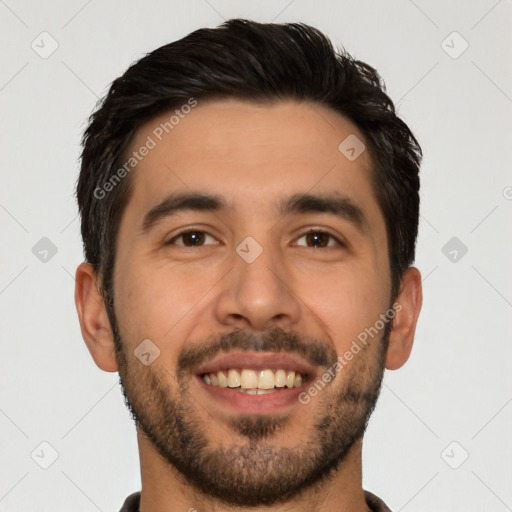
[[261, 62]]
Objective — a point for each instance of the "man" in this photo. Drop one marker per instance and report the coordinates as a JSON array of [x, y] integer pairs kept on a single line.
[[249, 206]]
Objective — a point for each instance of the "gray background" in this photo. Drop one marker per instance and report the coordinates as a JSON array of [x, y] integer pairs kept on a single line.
[[453, 398]]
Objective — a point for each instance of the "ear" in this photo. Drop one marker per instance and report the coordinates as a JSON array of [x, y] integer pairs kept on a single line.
[[408, 306], [93, 318]]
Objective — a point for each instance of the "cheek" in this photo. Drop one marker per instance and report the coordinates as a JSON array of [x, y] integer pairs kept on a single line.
[[155, 302], [347, 302]]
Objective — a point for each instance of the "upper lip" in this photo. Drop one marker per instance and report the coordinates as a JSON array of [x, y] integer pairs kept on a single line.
[[257, 361]]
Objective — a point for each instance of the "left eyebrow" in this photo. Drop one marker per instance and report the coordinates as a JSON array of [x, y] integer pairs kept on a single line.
[[340, 206]]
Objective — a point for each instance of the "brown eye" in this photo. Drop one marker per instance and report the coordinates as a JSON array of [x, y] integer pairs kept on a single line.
[[318, 239], [190, 238]]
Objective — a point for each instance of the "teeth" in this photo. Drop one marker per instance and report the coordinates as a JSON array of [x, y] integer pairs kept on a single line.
[[223, 380], [264, 391], [280, 379], [233, 379], [255, 391], [266, 379], [255, 382], [248, 379]]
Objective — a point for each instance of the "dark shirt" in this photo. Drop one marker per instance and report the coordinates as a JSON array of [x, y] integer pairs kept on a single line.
[[131, 503]]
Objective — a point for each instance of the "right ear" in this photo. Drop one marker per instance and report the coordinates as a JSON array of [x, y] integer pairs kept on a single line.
[[92, 314]]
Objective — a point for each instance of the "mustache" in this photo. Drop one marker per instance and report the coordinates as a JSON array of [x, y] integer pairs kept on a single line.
[[314, 351]]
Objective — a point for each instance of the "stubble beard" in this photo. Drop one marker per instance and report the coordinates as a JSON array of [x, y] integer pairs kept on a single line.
[[253, 470]]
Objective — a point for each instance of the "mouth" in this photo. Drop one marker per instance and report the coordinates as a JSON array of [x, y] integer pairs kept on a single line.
[[255, 382]]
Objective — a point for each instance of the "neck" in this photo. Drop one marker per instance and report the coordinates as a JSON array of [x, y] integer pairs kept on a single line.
[[164, 489]]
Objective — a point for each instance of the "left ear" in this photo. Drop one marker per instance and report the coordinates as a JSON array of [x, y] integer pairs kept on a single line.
[[407, 307]]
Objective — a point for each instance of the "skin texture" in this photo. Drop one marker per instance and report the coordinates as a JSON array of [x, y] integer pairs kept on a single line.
[[194, 297]]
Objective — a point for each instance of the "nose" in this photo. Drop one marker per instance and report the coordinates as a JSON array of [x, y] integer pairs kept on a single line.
[[258, 294]]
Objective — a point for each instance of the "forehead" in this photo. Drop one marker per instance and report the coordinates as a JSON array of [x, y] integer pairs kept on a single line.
[[250, 153]]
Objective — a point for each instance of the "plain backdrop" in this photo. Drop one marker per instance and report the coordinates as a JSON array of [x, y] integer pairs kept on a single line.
[[440, 438]]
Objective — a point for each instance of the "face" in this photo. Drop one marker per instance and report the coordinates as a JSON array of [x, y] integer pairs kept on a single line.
[[249, 294]]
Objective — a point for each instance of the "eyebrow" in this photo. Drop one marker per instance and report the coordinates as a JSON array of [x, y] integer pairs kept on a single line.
[[340, 206]]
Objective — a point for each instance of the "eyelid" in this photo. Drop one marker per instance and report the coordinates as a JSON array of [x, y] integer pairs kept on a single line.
[[324, 231], [186, 231]]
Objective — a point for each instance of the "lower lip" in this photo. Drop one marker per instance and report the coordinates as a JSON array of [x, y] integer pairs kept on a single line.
[[253, 404]]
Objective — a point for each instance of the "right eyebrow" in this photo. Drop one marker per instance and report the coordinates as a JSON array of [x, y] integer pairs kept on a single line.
[[178, 202]]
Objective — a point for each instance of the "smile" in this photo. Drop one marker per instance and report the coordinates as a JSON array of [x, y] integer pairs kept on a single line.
[[254, 382]]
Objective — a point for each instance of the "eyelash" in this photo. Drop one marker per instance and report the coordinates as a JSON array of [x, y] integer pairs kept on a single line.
[[310, 231]]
